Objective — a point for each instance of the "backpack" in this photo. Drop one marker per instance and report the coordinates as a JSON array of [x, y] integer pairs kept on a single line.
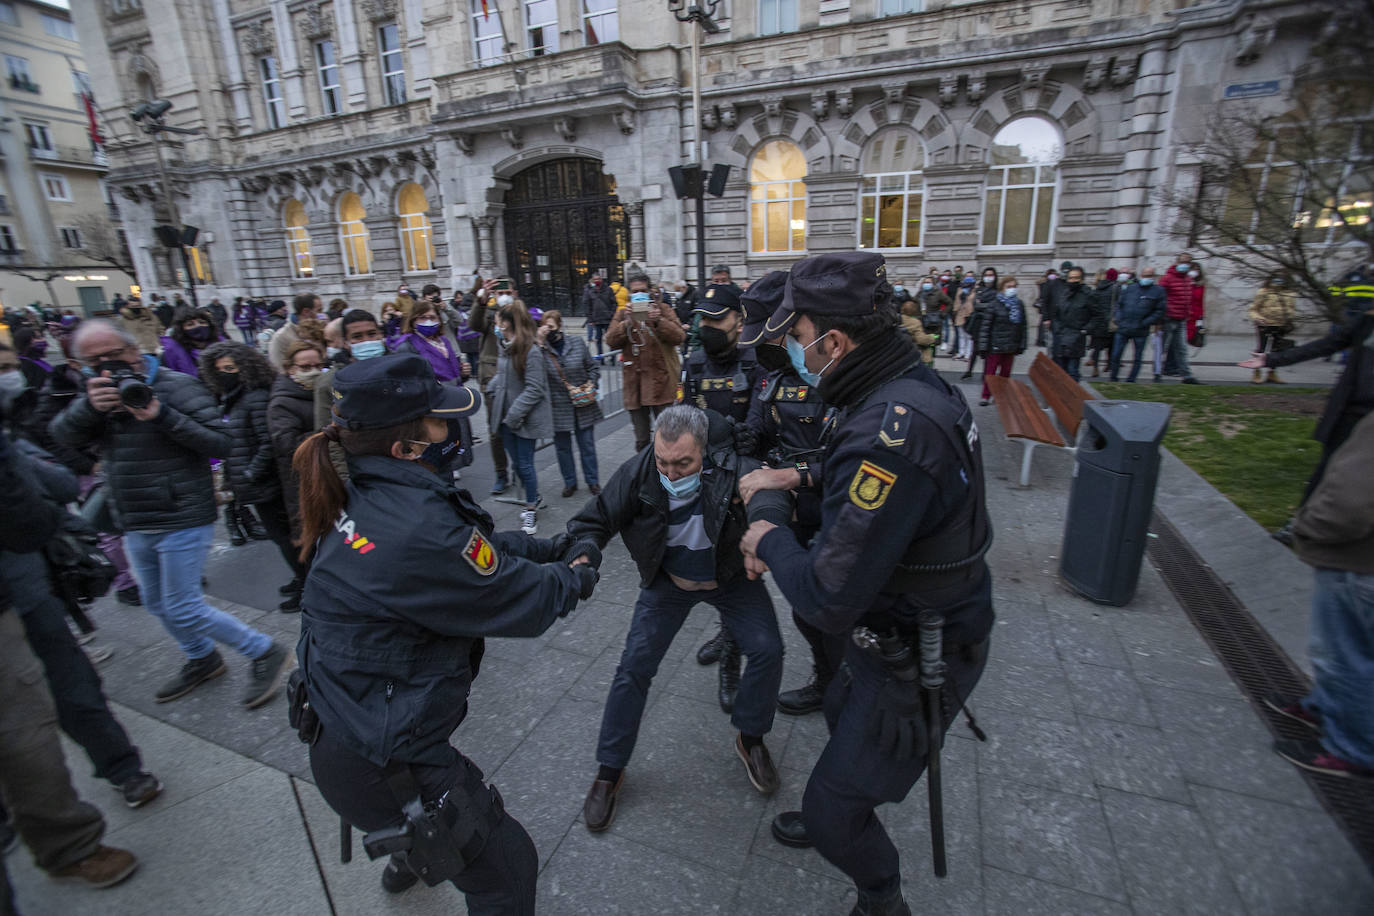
[[80, 568]]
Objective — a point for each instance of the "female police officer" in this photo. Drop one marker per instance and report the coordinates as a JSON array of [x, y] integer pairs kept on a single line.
[[408, 577]]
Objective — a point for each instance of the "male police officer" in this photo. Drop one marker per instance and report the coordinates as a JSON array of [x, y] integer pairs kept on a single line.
[[720, 377], [903, 532], [786, 416]]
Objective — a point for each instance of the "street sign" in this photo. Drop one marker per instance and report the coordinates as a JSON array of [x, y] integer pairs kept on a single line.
[[1251, 90]]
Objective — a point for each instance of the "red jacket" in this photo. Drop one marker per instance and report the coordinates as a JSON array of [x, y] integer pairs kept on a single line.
[[1179, 288]]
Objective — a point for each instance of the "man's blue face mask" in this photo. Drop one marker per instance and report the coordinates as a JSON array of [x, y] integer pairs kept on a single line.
[[367, 349], [798, 357], [683, 487]]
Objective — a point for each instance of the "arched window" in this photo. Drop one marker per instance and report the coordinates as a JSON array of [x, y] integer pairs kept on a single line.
[[354, 238], [892, 192], [777, 198], [298, 240], [1019, 207], [417, 243]]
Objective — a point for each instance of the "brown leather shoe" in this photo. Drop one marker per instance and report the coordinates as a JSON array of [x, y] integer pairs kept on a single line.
[[599, 808], [594, 489], [759, 766], [105, 867]]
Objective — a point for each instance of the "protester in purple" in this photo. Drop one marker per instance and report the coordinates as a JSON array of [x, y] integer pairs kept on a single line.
[[192, 330], [420, 334], [245, 320], [32, 347]]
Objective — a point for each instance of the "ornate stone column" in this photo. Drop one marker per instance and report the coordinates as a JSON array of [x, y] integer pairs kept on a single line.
[[486, 252], [634, 209]]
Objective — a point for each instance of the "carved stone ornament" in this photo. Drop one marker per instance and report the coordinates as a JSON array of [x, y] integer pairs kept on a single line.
[[379, 10], [512, 136], [633, 208], [566, 128], [1123, 69], [485, 222], [710, 118], [316, 24], [820, 102], [257, 38], [131, 193], [625, 120], [977, 86], [463, 142], [284, 180], [1033, 74], [1094, 73], [772, 105], [844, 102], [949, 90], [894, 91], [729, 117], [1256, 35], [425, 155]]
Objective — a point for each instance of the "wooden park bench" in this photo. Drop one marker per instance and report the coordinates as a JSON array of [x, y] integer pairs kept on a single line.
[[1023, 418]]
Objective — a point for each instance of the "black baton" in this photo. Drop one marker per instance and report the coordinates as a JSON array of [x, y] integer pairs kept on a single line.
[[932, 682], [345, 841]]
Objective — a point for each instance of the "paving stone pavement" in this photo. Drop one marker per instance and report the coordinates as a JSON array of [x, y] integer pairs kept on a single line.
[[1124, 773]]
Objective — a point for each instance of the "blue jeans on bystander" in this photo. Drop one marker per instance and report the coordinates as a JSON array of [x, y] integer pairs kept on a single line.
[[586, 447], [521, 452], [1341, 647]]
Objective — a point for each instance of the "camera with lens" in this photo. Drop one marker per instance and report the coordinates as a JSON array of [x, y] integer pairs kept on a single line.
[[133, 390]]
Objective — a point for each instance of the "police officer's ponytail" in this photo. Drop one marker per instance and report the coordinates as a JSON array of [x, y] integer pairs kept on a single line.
[[322, 492]]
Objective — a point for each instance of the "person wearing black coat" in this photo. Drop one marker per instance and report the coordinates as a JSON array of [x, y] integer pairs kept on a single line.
[[1069, 308], [291, 418], [1002, 333], [1099, 329], [241, 378], [598, 302]]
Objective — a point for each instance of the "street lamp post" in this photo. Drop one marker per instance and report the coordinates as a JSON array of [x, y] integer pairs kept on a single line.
[[692, 180], [151, 119]]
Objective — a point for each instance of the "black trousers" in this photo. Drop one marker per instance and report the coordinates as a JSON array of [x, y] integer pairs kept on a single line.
[[852, 778], [82, 710], [277, 523], [499, 882]]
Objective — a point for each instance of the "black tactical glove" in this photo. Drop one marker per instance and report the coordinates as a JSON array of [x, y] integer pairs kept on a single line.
[[897, 724], [746, 440], [585, 548], [587, 577]]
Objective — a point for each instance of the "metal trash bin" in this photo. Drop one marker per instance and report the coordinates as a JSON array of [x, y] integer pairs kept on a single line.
[[1111, 498]]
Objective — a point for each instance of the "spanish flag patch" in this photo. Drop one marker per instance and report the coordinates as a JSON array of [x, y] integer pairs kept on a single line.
[[870, 486], [480, 554]]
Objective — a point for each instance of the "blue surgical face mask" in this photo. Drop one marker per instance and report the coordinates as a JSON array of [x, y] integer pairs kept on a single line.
[[367, 349], [1147, 281], [683, 487], [798, 357], [496, 329], [927, 286]]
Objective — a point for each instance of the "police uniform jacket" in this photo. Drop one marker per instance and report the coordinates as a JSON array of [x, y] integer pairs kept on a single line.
[[404, 587], [723, 386], [897, 477], [1352, 397], [635, 506]]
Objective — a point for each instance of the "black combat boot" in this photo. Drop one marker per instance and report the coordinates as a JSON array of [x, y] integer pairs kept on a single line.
[[729, 675], [806, 699], [237, 537], [251, 526], [709, 653], [891, 905]]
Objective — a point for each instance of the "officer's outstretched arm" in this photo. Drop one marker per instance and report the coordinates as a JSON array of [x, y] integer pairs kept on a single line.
[[876, 503]]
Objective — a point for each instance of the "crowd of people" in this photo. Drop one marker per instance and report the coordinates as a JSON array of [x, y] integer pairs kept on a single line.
[[779, 427]]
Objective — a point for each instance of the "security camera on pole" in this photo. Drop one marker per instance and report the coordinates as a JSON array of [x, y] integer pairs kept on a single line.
[[690, 180], [151, 118]]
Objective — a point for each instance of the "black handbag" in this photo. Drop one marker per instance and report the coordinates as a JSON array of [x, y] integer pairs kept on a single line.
[[81, 569], [97, 511]]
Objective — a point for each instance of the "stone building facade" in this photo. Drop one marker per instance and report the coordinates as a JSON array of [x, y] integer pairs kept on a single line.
[[348, 146]]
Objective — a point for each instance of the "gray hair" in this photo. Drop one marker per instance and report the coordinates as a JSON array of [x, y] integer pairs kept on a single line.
[[95, 325], [684, 419]]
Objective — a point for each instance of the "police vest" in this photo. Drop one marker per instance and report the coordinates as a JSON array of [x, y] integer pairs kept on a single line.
[[724, 389], [797, 413]]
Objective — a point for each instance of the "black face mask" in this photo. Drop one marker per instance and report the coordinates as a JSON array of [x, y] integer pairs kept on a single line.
[[772, 357], [1074, 285], [555, 338], [715, 342], [229, 382]]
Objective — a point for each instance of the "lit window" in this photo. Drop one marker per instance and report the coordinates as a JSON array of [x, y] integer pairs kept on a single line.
[[892, 191], [329, 76], [59, 28], [1019, 205], [777, 16], [898, 7], [200, 264], [541, 26], [487, 40], [393, 70], [55, 187], [417, 242], [298, 241], [354, 238], [40, 139], [777, 195], [271, 92], [71, 236], [599, 21]]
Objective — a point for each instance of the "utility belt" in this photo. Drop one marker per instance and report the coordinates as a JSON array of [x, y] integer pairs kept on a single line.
[[910, 576]]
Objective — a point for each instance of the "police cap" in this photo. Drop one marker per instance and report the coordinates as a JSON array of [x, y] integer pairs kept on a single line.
[[760, 300], [718, 299], [841, 285], [390, 390]]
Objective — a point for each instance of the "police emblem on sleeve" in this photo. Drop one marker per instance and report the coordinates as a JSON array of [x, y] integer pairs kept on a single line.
[[871, 485], [480, 554]]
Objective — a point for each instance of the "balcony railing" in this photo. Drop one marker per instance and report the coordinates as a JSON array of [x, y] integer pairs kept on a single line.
[[75, 155], [23, 84]]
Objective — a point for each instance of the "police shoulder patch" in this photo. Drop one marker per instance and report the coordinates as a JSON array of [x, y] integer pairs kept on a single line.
[[481, 554], [896, 423], [871, 485]]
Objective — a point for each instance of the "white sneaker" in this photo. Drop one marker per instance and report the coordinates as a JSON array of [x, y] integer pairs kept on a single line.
[[527, 519]]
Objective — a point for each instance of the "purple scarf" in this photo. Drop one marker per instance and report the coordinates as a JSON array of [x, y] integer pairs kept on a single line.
[[445, 362], [47, 369]]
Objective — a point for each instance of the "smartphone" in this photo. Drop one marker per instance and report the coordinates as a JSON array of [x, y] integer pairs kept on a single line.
[[504, 284]]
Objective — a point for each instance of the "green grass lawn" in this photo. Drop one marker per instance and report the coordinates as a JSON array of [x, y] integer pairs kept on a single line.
[[1253, 443]]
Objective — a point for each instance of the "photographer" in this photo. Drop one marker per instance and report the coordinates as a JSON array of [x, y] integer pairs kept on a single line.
[[648, 334], [157, 429]]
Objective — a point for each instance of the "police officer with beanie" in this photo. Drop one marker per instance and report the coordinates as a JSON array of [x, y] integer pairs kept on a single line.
[[409, 577], [721, 376], [897, 567], [786, 417]]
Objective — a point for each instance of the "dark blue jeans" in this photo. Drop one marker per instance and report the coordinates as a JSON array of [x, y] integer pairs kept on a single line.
[[596, 332], [1341, 646], [521, 452], [1069, 364], [586, 447], [1119, 350], [659, 614]]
